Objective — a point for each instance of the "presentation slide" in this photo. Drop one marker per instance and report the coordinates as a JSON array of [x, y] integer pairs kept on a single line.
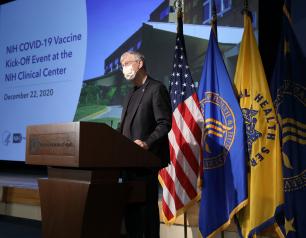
[[42, 62]]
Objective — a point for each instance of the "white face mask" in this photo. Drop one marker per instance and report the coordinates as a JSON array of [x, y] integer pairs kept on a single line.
[[129, 72]]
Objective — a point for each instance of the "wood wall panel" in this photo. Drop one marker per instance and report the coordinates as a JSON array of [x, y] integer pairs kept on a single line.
[[21, 196]]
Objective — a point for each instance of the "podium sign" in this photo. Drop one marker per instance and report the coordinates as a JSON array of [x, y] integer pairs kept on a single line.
[[84, 145]]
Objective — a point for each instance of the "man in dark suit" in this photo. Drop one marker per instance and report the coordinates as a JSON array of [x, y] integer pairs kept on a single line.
[[146, 120]]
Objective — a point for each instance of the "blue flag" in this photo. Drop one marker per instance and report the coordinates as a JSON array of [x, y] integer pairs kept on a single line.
[[224, 190], [288, 89]]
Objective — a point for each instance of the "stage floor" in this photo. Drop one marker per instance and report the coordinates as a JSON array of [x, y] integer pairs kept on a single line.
[[13, 227]]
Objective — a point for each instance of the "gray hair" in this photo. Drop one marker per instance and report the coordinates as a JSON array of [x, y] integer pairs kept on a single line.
[[137, 55]]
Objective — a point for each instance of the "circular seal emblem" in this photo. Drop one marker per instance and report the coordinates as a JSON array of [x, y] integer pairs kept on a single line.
[[219, 130]]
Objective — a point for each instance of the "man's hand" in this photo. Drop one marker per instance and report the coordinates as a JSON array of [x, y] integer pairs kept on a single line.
[[142, 144]]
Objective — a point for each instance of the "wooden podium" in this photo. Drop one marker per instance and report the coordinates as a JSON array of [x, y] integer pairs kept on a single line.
[[82, 196]]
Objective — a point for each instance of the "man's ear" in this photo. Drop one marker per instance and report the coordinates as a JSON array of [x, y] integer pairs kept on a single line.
[[140, 64]]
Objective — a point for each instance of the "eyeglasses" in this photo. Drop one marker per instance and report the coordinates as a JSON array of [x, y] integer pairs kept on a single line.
[[127, 63]]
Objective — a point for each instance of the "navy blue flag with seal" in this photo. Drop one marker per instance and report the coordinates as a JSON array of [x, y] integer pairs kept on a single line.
[[224, 189], [288, 90]]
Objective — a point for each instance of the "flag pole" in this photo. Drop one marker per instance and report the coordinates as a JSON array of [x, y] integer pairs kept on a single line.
[[213, 24], [213, 21], [185, 225], [246, 5], [178, 5], [245, 9]]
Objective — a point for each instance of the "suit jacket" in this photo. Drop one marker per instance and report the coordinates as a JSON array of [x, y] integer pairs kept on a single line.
[[151, 118]]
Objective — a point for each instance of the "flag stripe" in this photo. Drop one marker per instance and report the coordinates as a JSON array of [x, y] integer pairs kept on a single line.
[[182, 169], [194, 107], [210, 120], [179, 195], [169, 193], [207, 127], [191, 121], [293, 130], [286, 121], [186, 140], [168, 213], [293, 138]]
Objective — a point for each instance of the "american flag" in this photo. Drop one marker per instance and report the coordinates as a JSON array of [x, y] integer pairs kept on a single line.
[[180, 179]]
